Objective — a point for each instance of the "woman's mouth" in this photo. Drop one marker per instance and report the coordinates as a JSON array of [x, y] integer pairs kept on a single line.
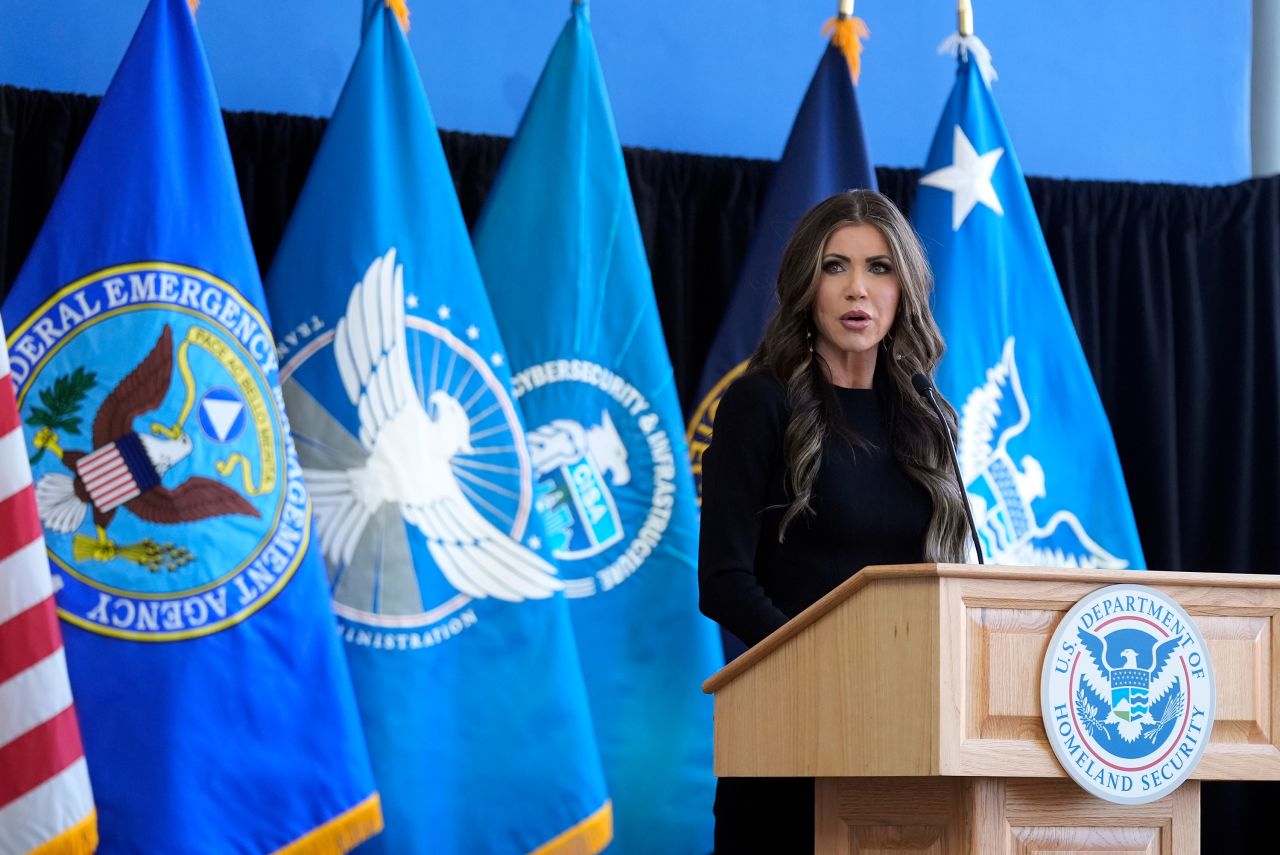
[[855, 320]]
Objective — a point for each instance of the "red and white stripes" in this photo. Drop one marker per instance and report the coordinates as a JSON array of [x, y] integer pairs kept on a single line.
[[46, 805]]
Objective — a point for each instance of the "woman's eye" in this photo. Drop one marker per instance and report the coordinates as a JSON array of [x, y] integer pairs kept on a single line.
[[832, 267], [881, 267]]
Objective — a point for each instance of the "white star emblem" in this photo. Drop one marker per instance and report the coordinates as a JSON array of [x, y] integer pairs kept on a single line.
[[411, 301], [968, 178], [496, 359], [534, 542], [443, 313], [472, 332]]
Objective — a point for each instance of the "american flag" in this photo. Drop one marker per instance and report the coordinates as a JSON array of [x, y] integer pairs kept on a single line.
[[45, 801]]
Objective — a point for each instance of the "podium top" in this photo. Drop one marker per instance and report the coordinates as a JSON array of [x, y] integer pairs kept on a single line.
[[991, 572]]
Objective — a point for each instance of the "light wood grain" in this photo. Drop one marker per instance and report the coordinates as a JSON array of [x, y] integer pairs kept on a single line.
[[993, 816]]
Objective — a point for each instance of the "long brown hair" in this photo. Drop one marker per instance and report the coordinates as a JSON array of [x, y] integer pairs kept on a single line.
[[913, 344]]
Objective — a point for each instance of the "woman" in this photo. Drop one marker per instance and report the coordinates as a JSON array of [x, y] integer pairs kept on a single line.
[[824, 459]]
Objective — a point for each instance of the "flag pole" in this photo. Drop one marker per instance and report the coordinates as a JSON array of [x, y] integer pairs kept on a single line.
[[845, 10], [964, 15]]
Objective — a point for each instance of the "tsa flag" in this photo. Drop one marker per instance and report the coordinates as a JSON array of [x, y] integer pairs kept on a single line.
[[560, 249], [215, 705], [825, 153], [1036, 451], [399, 392]]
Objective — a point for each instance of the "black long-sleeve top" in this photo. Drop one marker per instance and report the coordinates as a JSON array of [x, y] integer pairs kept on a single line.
[[867, 510]]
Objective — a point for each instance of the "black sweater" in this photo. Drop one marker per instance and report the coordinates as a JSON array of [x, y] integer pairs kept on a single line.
[[867, 510]]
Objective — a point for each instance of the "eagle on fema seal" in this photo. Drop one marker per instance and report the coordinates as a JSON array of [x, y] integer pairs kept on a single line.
[[407, 449], [124, 469], [1143, 694]]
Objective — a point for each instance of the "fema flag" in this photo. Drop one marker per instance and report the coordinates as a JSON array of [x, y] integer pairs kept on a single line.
[[214, 701], [1036, 452], [399, 390], [825, 153], [560, 249]]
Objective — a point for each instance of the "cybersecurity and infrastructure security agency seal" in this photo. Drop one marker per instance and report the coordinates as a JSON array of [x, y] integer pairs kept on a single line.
[[1127, 694], [171, 500], [606, 472]]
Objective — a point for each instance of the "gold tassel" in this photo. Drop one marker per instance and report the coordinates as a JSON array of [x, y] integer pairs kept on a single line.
[[79, 839], [401, 10], [195, 5], [847, 34]]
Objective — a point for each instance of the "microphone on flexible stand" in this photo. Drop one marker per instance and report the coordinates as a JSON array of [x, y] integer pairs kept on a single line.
[[925, 387]]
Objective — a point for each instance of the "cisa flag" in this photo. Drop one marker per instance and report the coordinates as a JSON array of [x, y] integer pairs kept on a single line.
[[1036, 451], [825, 153], [559, 246], [45, 801], [215, 705], [398, 389]]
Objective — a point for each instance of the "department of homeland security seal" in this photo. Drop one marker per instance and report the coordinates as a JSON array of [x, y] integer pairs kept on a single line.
[[1127, 694], [171, 500], [422, 482], [606, 471]]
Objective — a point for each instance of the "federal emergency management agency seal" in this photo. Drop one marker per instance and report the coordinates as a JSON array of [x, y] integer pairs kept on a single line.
[[171, 501], [606, 471], [1127, 694]]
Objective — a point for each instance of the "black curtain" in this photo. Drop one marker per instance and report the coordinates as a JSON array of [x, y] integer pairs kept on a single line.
[[1175, 293]]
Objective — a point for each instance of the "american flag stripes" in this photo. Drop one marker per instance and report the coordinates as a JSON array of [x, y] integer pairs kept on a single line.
[[46, 806]]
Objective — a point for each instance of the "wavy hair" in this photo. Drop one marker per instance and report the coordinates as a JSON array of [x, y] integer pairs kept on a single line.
[[913, 344]]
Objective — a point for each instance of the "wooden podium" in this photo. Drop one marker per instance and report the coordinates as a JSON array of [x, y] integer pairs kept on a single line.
[[912, 694]]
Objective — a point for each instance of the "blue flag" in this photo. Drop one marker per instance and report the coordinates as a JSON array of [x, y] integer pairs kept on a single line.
[[560, 249], [1036, 451], [214, 700], [398, 387], [825, 153]]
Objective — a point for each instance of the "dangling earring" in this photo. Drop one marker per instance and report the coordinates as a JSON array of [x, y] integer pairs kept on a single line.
[[808, 336]]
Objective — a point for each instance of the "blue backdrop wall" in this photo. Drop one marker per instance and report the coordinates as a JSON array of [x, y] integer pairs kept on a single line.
[[1142, 90]]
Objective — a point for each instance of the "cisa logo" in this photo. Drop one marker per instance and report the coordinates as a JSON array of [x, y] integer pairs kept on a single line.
[[1127, 694]]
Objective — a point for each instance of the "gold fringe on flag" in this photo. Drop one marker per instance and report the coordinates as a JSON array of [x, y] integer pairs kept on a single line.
[[195, 5], [401, 10], [79, 839], [342, 833], [588, 837], [847, 33]]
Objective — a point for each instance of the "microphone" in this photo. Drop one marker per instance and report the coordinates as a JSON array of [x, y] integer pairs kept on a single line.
[[925, 388]]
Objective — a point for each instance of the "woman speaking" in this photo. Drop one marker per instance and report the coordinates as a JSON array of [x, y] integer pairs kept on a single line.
[[824, 460]]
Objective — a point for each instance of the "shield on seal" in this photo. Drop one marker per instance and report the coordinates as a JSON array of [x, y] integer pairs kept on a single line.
[[578, 509]]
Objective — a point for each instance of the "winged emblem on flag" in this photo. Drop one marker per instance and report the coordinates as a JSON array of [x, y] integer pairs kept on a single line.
[[407, 447], [124, 469], [1001, 490], [1134, 695]]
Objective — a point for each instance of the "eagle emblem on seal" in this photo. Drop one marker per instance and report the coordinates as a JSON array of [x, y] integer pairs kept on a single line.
[[403, 459], [125, 469], [1001, 489]]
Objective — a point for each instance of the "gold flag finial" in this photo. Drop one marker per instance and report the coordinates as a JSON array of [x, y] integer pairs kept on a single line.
[[847, 33], [401, 10], [964, 14]]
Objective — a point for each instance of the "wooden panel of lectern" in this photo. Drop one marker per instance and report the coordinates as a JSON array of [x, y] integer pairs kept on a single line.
[[912, 694]]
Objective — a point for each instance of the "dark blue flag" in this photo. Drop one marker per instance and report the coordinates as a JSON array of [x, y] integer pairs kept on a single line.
[[825, 153], [214, 700]]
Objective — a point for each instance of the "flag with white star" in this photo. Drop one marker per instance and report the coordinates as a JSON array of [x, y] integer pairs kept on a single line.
[[447, 596], [1036, 450]]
